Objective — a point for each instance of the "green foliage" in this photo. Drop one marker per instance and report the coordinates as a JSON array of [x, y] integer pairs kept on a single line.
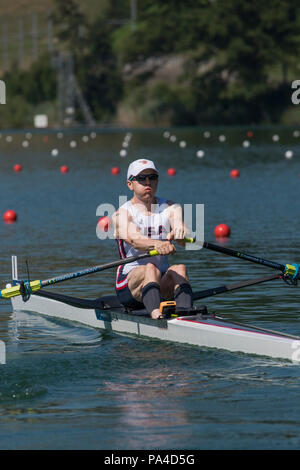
[[231, 49], [36, 85], [70, 23], [96, 66], [17, 114], [239, 59], [25, 90], [164, 27]]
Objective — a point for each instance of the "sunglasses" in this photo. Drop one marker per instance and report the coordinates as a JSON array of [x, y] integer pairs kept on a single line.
[[142, 178]]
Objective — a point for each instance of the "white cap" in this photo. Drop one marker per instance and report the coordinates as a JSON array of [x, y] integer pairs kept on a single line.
[[139, 165]]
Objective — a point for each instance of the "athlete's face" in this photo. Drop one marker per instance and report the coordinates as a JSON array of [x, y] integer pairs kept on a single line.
[[144, 184]]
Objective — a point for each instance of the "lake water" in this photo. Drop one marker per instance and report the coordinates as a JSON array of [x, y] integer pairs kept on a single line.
[[67, 387]]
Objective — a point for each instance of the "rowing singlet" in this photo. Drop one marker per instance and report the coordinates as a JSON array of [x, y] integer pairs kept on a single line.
[[155, 226]]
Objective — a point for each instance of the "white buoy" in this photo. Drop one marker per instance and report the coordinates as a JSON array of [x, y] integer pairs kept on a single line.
[[182, 144], [25, 143], [54, 152], [123, 153], [275, 138], [289, 154], [173, 138], [200, 154], [222, 138], [246, 143], [166, 134], [73, 144], [85, 138], [296, 133], [206, 134]]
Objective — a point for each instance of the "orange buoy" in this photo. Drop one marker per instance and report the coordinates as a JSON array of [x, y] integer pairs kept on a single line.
[[10, 216], [64, 169], [222, 230], [234, 173], [250, 134], [45, 139], [17, 167], [115, 170], [104, 224], [171, 171]]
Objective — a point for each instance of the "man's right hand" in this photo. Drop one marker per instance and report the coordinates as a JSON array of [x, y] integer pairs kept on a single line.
[[164, 247]]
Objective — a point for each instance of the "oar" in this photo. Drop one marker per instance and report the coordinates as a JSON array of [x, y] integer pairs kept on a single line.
[[289, 270], [230, 287], [32, 286]]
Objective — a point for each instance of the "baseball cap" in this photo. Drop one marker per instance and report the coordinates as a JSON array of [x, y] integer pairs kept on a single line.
[[139, 165]]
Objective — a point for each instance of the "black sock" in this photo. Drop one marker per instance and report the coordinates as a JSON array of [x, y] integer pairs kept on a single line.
[[183, 296], [151, 296]]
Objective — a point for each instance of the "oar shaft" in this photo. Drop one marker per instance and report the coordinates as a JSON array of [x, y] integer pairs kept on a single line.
[[245, 256], [290, 271], [231, 287], [34, 286], [96, 269]]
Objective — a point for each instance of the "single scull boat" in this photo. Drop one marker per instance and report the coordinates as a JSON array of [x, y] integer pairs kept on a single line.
[[196, 327]]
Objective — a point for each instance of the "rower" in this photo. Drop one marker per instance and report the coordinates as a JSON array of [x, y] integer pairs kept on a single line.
[[149, 222]]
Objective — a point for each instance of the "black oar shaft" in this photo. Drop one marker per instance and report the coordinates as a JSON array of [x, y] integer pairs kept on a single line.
[[93, 269], [245, 256], [230, 287]]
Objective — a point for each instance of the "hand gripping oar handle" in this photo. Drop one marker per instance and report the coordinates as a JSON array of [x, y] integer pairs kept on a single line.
[[289, 270], [34, 286]]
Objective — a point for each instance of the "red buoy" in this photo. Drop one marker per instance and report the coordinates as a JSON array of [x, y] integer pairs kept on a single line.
[[171, 171], [17, 167], [115, 170], [222, 230], [234, 173], [10, 216], [104, 224], [64, 169], [250, 134]]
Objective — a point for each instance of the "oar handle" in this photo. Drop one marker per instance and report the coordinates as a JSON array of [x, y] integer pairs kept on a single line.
[[13, 291]]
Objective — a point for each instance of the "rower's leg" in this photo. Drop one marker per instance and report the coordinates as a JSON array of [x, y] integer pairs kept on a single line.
[[175, 284], [143, 283]]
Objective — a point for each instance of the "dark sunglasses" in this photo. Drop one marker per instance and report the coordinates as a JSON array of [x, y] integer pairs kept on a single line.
[[142, 178]]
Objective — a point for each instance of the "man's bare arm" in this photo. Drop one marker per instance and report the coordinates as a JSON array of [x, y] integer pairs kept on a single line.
[[127, 230]]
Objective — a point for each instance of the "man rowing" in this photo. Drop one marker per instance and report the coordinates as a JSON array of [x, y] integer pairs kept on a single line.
[[144, 223]]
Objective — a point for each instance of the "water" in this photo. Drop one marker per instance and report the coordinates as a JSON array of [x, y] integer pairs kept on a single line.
[[67, 387]]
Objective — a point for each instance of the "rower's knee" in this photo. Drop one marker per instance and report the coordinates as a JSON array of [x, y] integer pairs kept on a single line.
[[151, 268], [151, 273], [179, 269]]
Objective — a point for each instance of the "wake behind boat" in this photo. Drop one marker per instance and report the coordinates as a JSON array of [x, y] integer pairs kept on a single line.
[[195, 327]]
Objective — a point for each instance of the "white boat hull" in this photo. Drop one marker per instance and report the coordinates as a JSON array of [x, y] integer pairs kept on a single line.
[[208, 332]]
